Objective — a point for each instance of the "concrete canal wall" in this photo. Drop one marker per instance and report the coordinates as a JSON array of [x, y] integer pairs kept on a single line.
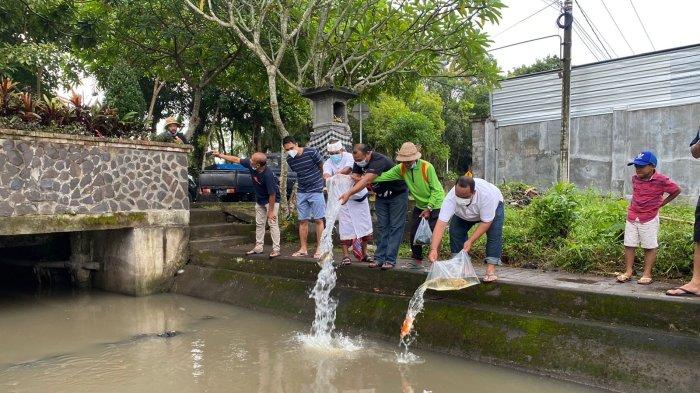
[[123, 202], [633, 343]]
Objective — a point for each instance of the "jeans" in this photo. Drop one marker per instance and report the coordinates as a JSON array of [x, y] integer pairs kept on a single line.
[[417, 249], [459, 230], [391, 220]]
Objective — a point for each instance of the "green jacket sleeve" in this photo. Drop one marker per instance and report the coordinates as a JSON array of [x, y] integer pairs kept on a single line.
[[437, 193], [392, 174]]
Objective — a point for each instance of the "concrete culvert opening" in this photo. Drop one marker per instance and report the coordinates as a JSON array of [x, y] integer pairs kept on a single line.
[[35, 262]]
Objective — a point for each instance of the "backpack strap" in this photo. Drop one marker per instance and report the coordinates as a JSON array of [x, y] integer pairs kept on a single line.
[[424, 170]]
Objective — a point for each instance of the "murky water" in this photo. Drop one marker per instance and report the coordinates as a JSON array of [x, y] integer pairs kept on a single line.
[[99, 342]]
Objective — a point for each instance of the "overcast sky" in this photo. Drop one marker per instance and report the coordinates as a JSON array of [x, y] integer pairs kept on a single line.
[[670, 23]]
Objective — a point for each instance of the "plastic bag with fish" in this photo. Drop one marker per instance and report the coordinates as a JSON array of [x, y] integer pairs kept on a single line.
[[450, 275], [423, 234], [337, 186]]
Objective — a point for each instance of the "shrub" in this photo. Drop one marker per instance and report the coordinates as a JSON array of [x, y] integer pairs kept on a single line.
[[554, 214]]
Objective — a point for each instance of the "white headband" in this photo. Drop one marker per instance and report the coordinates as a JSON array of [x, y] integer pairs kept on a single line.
[[335, 146]]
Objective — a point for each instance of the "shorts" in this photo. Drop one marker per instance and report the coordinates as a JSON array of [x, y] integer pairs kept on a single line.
[[645, 235], [311, 206], [696, 233]]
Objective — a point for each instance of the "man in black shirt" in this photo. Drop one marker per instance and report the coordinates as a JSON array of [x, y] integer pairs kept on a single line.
[[391, 205], [267, 196], [171, 130]]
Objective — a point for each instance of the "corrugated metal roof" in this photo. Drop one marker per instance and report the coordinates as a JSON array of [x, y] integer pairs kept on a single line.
[[656, 79]]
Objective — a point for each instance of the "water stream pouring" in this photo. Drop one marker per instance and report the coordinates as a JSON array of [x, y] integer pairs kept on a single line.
[[451, 275], [324, 321]]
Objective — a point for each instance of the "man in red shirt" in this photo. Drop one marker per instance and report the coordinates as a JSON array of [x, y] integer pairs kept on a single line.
[[642, 226]]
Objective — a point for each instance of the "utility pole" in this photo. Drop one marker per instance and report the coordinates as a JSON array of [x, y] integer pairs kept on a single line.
[[567, 25]]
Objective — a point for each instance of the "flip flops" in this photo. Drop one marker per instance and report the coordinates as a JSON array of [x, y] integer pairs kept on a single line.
[[346, 261], [623, 278], [489, 278], [300, 254], [684, 292], [645, 281], [253, 252]]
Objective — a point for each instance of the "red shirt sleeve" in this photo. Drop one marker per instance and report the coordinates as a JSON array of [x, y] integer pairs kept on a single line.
[[670, 187]]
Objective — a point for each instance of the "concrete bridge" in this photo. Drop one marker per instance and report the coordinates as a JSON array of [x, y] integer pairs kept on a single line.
[[118, 207]]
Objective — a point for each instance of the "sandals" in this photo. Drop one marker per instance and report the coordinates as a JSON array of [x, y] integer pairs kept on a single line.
[[300, 254], [318, 255], [489, 278], [274, 254], [367, 258], [387, 266], [645, 281], [374, 265], [346, 261], [253, 252], [623, 278], [684, 292]]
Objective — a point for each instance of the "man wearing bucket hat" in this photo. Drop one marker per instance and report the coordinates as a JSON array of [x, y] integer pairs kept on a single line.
[[425, 188], [642, 224], [171, 128]]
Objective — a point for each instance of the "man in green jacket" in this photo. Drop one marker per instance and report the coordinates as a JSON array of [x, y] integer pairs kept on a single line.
[[425, 188]]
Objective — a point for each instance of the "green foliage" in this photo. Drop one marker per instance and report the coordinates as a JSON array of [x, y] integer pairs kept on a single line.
[[394, 121], [594, 227], [554, 213], [548, 63], [122, 91]]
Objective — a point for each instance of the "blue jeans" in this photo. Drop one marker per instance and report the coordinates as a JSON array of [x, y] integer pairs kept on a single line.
[[391, 220], [459, 230]]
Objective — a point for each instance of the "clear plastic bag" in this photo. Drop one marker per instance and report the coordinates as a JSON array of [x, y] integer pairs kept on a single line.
[[424, 235], [453, 274]]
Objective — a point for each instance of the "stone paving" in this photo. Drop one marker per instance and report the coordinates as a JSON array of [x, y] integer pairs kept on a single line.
[[527, 277]]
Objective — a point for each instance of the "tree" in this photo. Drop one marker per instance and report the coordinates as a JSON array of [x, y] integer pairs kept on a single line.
[[359, 44], [548, 63], [168, 44], [122, 91], [418, 119]]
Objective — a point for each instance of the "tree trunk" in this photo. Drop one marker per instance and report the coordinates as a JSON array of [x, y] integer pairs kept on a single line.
[[279, 124], [255, 145], [194, 114], [39, 72], [157, 86]]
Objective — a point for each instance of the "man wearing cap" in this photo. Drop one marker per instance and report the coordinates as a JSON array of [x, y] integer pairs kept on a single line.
[[390, 206], [693, 287], [355, 221], [642, 224], [472, 202], [425, 188], [171, 128]]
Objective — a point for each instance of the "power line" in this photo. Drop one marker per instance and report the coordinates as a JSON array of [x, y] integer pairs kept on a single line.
[[590, 24], [582, 36], [618, 27], [642, 23], [524, 19]]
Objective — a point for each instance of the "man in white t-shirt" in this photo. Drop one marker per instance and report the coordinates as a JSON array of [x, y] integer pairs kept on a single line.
[[354, 220], [472, 202]]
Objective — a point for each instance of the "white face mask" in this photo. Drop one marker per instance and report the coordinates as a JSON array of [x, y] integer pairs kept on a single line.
[[292, 153], [362, 163], [463, 201]]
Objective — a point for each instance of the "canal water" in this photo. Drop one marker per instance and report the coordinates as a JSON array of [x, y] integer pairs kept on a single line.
[[101, 342]]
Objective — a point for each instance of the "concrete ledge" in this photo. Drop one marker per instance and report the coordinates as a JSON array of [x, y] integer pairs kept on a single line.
[[615, 357], [31, 224], [516, 291], [94, 141]]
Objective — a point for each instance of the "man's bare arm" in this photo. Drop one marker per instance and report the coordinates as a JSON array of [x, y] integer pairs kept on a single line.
[[695, 150], [227, 157]]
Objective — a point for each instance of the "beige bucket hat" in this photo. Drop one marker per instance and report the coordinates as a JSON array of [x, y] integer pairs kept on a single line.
[[171, 120], [408, 152]]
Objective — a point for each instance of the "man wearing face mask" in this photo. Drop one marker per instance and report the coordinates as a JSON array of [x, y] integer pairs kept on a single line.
[[391, 204], [472, 202], [425, 188], [267, 196], [311, 205], [354, 221]]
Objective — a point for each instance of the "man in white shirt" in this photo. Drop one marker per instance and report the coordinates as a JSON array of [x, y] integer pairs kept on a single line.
[[472, 202], [354, 220]]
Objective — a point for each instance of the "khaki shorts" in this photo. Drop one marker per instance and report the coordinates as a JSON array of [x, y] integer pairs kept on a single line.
[[645, 235]]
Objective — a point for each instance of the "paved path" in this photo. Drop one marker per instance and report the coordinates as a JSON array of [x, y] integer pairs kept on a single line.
[[527, 277]]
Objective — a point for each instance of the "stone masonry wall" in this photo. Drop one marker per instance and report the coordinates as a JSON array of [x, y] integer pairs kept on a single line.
[[46, 174]]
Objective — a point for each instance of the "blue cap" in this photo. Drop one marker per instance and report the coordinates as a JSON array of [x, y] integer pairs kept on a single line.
[[644, 158]]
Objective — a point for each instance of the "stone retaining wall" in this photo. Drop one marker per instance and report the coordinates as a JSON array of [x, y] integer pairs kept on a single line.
[[46, 174]]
